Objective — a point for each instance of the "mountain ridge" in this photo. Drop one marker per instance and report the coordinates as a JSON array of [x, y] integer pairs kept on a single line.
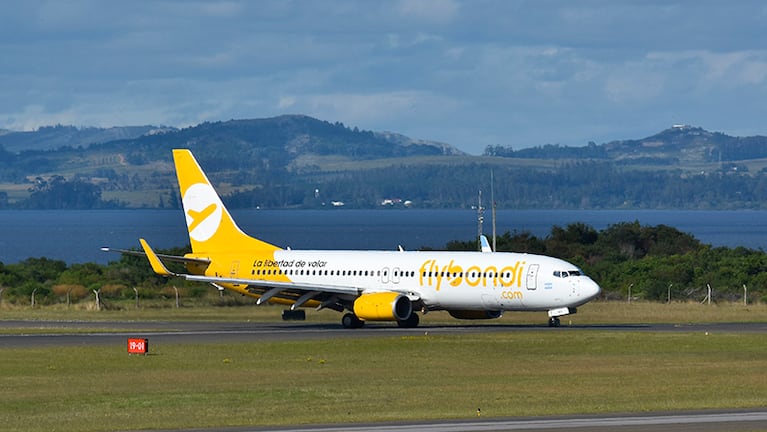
[[298, 133], [301, 135], [679, 144], [302, 162], [53, 137]]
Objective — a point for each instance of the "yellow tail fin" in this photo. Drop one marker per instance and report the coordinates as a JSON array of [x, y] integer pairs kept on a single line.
[[211, 227]]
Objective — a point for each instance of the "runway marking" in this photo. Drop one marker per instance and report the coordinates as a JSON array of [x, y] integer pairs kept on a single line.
[[543, 424]]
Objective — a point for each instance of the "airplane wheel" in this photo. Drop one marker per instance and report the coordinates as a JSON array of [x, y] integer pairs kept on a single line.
[[351, 321], [411, 322], [554, 322]]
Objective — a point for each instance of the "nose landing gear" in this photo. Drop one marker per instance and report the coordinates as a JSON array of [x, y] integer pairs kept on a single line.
[[554, 315]]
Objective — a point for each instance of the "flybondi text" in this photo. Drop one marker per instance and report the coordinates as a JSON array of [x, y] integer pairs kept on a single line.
[[433, 273]]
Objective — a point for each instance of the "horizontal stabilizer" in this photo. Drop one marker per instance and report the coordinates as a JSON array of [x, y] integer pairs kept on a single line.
[[173, 258]]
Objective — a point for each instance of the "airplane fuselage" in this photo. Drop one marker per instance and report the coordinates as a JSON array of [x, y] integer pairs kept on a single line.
[[441, 280]]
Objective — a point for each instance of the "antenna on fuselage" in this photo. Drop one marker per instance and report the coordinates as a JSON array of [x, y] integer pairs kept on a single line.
[[480, 219]]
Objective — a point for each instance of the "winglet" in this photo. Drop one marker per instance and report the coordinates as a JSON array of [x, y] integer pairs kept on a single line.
[[154, 260], [485, 244]]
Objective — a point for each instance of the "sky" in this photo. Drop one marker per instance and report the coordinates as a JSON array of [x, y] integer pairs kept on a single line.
[[469, 73]]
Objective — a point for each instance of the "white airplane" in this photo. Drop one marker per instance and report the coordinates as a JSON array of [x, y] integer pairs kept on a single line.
[[369, 285]]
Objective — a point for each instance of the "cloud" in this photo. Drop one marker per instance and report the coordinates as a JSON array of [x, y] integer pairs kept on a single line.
[[372, 108], [737, 68], [708, 70], [469, 73], [286, 102], [226, 9], [437, 11]]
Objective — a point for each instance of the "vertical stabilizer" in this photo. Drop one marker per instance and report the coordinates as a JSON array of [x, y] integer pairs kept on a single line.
[[211, 227]]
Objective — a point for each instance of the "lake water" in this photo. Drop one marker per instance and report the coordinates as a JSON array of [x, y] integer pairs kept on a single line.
[[76, 236]]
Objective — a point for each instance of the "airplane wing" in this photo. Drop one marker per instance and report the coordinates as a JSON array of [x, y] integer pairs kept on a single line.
[[262, 286], [292, 292]]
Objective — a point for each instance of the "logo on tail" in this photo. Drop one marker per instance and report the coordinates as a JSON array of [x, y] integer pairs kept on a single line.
[[203, 211]]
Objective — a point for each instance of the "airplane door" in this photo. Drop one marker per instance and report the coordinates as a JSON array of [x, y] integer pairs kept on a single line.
[[395, 275], [532, 276], [385, 275]]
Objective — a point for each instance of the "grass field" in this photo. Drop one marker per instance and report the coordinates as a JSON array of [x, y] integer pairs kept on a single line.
[[539, 372]]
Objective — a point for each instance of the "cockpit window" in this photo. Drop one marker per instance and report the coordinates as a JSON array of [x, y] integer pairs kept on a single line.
[[566, 273]]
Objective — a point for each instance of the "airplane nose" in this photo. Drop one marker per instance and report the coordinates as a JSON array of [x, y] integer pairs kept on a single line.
[[592, 289]]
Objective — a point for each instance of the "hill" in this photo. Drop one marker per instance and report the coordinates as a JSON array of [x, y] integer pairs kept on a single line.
[[689, 145], [54, 137], [136, 169], [679, 146], [299, 161], [296, 134]]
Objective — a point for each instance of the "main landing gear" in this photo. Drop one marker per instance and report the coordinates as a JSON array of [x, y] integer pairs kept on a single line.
[[554, 322], [350, 321], [411, 322]]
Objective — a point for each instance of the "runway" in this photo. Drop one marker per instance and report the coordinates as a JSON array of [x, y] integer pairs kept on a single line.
[[30, 334], [20, 333]]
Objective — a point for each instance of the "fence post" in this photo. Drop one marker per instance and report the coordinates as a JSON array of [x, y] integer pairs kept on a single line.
[[745, 295]]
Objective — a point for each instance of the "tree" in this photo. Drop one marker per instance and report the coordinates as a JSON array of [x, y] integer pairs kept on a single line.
[[58, 193]]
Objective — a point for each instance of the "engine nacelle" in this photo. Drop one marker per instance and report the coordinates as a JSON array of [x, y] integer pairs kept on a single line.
[[383, 306], [475, 314]]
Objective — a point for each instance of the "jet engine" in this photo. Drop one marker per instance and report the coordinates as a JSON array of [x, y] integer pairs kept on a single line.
[[383, 306], [475, 314]]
